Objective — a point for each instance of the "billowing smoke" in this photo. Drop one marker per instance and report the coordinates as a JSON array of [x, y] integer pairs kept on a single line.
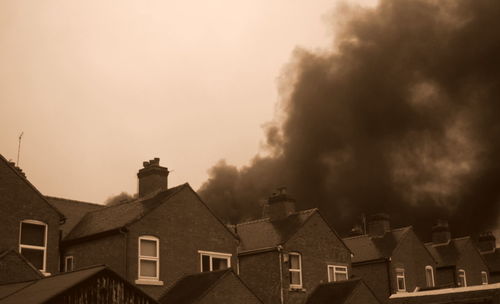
[[120, 198], [401, 115]]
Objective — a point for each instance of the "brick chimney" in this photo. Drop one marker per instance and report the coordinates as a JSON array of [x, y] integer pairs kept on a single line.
[[487, 242], [378, 224], [280, 205], [152, 178], [441, 232]]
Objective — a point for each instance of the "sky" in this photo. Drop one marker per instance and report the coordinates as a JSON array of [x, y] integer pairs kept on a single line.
[[100, 86]]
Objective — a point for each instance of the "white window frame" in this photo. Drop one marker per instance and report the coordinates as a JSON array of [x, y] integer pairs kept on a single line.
[[299, 270], [432, 283], [211, 255], [399, 276], [66, 259], [461, 273], [42, 248], [146, 280], [337, 269], [484, 278]]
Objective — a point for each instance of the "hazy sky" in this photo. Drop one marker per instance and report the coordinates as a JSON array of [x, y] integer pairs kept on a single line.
[[99, 86]]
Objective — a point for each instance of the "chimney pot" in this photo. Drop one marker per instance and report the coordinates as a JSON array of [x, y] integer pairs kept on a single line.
[[280, 205], [152, 178]]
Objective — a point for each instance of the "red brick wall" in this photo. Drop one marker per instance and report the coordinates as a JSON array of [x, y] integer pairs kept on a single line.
[[20, 202], [230, 290], [376, 277], [261, 273]]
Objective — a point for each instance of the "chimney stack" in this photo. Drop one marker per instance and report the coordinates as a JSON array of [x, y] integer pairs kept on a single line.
[[487, 242], [280, 205], [152, 178], [378, 224], [441, 232]]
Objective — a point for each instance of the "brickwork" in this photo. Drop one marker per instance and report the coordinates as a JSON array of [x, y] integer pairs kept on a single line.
[[261, 272], [375, 275]]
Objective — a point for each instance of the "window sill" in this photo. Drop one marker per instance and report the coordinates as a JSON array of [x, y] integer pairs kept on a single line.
[[149, 282], [297, 289], [46, 274]]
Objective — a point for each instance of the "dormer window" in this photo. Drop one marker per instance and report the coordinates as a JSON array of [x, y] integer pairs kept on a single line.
[[400, 279], [211, 261], [337, 273], [429, 276], [33, 243], [149, 261], [462, 280], [295, 269]]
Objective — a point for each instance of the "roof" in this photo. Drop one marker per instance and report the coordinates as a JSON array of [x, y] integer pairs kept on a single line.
[[35, 271], [264, 233], [45, 289], [333, 292], [22, 177], [449, 253], [368, 248], [73, 210], [118, 216], [493, 260], [192, 287]]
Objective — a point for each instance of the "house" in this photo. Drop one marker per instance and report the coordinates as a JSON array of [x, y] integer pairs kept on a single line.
[[459, 263], [390, 260], [16, 268], [32, 224], [353, 291], [479, 294], [93, 285], [155, 239], [221, 287], [491, 254], [285, 255]]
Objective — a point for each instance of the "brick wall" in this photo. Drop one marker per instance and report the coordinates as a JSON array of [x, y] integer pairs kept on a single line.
[[471, 261], [261, 273], [375, 275]]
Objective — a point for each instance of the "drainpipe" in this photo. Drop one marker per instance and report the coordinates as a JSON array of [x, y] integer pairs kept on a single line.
[[123, 231], [280, 251]]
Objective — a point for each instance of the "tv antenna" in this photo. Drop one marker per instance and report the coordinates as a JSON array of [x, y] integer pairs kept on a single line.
[[19, 148]]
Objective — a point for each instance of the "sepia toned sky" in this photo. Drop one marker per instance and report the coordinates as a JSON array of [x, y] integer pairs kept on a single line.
[[99, 86]]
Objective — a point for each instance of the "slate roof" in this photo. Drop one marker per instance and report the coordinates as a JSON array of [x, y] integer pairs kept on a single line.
[[73, 210], [264, 233], [448, 254], [367, 248], [118, 216], [334, 292], [190, 288], [493, 260], [44, 289]]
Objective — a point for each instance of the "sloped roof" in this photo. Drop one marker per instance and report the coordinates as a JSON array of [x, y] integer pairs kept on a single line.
[[192, 287], [367, 248], [34, 271], [45, 289], [493, 260], [23, 178], [73, 210], [333, 292], [448, 254], [264, 233]]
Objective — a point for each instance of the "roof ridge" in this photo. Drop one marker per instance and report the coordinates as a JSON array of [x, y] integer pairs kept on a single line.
[[73, 200], [268, 218]]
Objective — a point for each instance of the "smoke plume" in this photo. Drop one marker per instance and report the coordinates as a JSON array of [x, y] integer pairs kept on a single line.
[[400, 116]]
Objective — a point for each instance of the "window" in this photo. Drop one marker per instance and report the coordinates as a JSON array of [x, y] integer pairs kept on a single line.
[[462, 280], [211, 261], [295, 270], [149, 260], [484, 277], [337, 273], [400, 279], [68, 263], [33, 243], [429, 276]]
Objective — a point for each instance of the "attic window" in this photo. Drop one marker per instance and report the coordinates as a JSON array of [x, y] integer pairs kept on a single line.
[[149, 258], [211, 261], [295, 270], [484, 278], [429, 276], [462, 280], [337, 273], [400, 279], [33, 243]]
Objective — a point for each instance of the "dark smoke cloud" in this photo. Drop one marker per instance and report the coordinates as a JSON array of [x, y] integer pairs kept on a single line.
[[400, 116], [121, 198]]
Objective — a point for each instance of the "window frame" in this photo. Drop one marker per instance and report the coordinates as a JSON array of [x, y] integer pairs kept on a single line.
[[299, 270], [148, 258], [433, 282], [34, 247], [484, 278], [335, 271], [66, 259], [211, 255], [461, 273], [398, 276]]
